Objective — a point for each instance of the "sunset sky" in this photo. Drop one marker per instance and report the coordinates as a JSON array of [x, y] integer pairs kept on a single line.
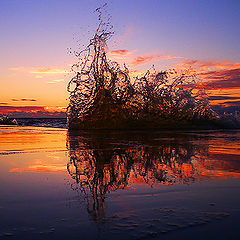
[[36, 35]]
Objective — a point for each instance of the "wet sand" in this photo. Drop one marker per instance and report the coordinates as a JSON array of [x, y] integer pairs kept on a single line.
[[119, 185]]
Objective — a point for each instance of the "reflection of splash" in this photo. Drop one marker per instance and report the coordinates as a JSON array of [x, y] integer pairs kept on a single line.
[[101, 163], [102, 94]]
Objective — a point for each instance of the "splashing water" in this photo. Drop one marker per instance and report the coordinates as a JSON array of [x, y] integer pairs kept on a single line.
[[104, 96]]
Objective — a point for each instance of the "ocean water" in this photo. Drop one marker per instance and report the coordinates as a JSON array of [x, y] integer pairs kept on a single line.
[[43, 122], [56, 184]]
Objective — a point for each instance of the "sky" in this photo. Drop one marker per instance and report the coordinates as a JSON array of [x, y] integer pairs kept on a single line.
[[36, 37]]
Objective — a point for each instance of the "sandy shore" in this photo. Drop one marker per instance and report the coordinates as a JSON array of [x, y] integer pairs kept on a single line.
[[138, 185]]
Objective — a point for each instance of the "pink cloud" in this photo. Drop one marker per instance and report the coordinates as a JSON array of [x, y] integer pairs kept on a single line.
[[210, 65], [120, 52], [144, 59], [227, 79]]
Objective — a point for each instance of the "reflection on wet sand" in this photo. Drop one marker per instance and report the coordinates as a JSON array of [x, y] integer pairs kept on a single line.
[[100, 163], [130, 183]]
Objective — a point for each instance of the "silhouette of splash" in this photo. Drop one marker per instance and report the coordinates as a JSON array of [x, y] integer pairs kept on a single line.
[[104, 96]]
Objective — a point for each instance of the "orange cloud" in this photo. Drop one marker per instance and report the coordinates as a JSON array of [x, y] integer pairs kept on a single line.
[[55, 109], [24, 100], [211, 65], [120, 52], [141, 60], [48, 71], [144, 59], [39, 71], [18, 69], [231, 103], [225, 79], [216, 76], [56, 81], [8, 109]]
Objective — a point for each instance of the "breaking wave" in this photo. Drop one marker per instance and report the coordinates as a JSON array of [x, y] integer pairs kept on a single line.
[[104, 96]]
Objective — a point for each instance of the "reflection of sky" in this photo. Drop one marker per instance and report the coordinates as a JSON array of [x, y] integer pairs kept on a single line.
[[38, 197], [35, 37], [36, 150]]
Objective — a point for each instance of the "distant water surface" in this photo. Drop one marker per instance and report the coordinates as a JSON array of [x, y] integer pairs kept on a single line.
[[43, 122], [118, 185]]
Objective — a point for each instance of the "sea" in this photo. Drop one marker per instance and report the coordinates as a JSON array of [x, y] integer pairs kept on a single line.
[[60, 184], [43, 122]]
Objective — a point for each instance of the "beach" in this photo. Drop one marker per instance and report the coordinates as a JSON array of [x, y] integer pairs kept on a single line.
[[120, 120], [57, 184]]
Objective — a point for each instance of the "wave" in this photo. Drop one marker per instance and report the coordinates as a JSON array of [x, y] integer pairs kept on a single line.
[[104, 96]]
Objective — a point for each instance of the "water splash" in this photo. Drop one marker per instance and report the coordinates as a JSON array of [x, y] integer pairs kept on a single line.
[[104, 96], [5, 120]]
